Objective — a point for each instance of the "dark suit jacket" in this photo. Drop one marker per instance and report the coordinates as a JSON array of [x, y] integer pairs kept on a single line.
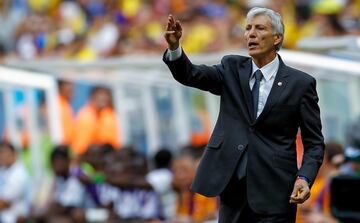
[[269, 141]]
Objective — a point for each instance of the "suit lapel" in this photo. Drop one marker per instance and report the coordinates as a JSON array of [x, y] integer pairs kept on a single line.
[[276, 90], [244, 76]]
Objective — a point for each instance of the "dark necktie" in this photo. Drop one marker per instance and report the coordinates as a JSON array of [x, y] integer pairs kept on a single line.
[[241, 169], [255, 91]]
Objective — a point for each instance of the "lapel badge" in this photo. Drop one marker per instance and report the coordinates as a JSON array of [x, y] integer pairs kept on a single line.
[[279, 83]]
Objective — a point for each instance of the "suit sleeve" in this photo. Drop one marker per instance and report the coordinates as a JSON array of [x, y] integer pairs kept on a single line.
[[312, 137], [203, 77]]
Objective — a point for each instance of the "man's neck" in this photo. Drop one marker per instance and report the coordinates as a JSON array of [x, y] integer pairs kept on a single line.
[[262, 61]]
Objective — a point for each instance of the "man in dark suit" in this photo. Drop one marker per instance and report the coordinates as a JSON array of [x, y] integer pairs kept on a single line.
[[250, 160]]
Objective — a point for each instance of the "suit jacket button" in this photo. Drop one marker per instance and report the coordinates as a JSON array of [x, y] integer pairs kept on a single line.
[[240, 147], [251, 129]]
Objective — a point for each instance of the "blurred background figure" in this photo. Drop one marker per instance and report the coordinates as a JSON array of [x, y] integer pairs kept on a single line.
[[161, 178], [317, 208], [91, 172], [66, 91], [66, 196], [127, 193], [352, 150], [96, 122], [14, 186], [343, 190], [190, 206]]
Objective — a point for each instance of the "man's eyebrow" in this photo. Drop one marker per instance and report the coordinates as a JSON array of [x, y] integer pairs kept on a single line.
[[249, 24]]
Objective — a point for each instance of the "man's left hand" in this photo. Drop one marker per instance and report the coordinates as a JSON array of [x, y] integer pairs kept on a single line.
[[301, 192]]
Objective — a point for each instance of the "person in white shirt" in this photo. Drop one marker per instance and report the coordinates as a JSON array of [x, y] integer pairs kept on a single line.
[[14, 185], [68, 193], [160, 179]]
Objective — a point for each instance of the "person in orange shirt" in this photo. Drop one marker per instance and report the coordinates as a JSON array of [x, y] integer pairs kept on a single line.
[[96, 122], [66, 90], [190, 206]]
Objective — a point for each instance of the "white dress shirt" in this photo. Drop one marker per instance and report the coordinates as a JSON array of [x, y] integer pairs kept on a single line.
[[174, 54], [269, 72]]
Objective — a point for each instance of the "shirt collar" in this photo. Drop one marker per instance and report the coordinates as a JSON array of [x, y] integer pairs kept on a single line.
[[269, 70]]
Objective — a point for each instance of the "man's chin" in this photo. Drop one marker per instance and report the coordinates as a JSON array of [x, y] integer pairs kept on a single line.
[[253, 53]]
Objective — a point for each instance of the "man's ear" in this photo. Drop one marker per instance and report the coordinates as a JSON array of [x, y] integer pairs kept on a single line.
[[278, 38]]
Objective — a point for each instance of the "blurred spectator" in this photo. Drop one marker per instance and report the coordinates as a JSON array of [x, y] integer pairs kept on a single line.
[[190, 206], [344, 187], [14, 184], [127, 192], [350, 16], [91, 172], [160, 179], [352, 151], [66, 111], [318, 206], [327, 18], [96, 122], [201, 35], [66, 196]]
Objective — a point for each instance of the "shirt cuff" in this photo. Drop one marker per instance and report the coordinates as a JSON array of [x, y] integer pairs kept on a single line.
[[174, 54]]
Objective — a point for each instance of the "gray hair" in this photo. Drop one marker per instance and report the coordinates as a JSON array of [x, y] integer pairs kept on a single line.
[[276, 21]]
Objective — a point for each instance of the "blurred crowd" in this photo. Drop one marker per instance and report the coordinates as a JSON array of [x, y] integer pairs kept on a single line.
[[92, 177], [104, 185], [91, 29]]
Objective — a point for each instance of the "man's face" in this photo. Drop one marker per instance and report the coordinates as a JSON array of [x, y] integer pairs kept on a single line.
[[261, 42]]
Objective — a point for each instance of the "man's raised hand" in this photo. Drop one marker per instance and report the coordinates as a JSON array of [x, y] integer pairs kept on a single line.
[[173, 33]]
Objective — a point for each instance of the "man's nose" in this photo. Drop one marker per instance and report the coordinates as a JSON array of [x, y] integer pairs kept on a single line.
[[252, 33]]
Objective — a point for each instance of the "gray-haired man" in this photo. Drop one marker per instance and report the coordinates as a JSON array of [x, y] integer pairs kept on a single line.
[[250, 160]]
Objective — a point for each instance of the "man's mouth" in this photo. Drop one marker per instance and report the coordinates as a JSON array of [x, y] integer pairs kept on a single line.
[[252, 44]]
